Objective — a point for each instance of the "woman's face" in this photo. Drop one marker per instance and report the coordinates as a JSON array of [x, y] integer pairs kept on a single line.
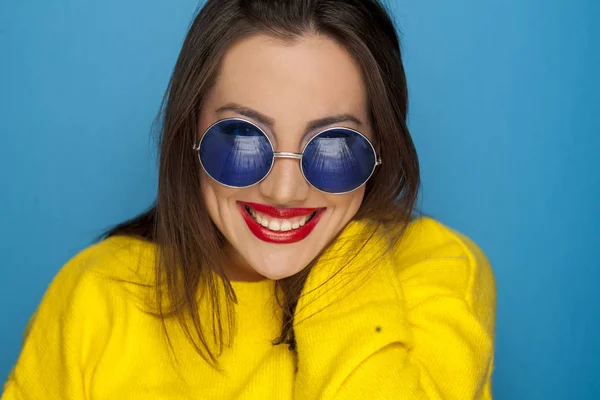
[[284, 88]]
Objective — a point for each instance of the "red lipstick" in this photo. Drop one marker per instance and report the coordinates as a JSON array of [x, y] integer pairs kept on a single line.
[[267, 235]]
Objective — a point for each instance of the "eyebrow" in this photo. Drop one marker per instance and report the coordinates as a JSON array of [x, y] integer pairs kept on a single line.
[[269, 122]]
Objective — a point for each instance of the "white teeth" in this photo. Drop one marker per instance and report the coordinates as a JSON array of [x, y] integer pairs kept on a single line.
[[274, 225], [286, 226], [278, 224]]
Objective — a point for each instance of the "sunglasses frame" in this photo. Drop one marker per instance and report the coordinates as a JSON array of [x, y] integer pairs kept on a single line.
[[287, 154]]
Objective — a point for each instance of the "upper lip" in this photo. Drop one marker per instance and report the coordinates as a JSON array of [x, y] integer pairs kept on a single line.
[[278, 212]]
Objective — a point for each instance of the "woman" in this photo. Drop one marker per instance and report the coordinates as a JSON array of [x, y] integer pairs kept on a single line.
[[282, 258]]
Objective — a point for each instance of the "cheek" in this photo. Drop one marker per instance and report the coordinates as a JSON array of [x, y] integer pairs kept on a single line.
[[214, 196], [356, 200], [348, 203], [220, 200], [208, 190]]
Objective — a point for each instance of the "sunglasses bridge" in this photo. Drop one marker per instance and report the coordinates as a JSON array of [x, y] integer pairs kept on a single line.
[[298, 156], [287, 154]]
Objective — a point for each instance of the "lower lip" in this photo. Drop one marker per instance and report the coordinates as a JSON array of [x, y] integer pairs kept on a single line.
[[267, 235]]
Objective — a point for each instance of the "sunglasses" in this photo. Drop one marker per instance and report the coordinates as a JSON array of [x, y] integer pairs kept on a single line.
[[237, 153]]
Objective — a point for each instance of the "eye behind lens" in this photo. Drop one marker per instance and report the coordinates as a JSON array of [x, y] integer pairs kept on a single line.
[[236, 153], [339, 160]]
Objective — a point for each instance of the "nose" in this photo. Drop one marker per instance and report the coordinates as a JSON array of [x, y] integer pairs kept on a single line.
[[285, 185]]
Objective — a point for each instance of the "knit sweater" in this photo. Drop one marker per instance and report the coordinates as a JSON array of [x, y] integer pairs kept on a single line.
[[413, 323]]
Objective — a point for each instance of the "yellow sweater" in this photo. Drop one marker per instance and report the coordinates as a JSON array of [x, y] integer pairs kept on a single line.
[[416, 324]]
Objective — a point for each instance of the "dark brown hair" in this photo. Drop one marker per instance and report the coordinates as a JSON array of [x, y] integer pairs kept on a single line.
[[189, 246]]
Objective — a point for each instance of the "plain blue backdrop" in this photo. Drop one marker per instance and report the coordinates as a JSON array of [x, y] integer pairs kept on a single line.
[[505, 113]]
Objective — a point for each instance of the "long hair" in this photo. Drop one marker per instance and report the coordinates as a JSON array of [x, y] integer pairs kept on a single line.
[[189, 245]]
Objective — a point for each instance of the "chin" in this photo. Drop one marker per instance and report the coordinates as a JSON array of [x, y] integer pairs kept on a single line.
[[278, 265]]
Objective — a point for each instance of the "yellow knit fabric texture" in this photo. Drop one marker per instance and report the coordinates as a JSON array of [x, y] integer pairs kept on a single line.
[[413, 323]]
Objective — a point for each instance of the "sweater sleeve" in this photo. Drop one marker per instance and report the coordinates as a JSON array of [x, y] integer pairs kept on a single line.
[[420, 326], [64, 337]]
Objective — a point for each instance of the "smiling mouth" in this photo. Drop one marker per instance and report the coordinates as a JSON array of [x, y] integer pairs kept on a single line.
[[280, 225]]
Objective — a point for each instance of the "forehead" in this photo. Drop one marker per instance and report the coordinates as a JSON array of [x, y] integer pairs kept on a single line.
[[292, 82]]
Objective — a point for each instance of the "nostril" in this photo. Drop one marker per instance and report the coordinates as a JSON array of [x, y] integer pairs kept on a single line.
[[285, 183]]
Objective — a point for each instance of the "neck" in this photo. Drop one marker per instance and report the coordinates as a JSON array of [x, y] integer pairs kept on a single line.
[[238, 269]]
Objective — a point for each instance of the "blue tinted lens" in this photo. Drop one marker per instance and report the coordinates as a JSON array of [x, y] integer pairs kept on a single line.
[[236, 153], [338, 160]]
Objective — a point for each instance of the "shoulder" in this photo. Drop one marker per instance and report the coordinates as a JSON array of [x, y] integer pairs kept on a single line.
[[433, 259], [100, 276], [117, 258], [88, 300]]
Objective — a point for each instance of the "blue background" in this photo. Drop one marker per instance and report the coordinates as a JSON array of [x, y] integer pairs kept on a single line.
[[505, 114]]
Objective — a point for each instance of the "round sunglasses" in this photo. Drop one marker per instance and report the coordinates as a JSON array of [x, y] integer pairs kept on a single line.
[[237, 153]]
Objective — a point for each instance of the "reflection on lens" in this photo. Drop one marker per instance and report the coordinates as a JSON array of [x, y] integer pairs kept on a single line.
[[236, 153], [338, 161]]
